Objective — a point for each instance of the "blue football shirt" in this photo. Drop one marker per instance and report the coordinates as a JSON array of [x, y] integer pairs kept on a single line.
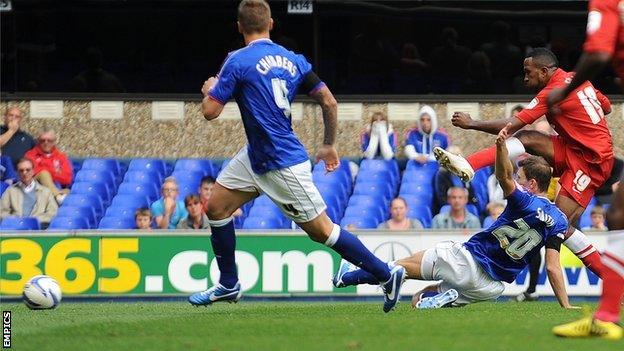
[[263, 78], [526, 224]]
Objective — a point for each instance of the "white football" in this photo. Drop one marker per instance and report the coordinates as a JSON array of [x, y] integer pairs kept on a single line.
[[41, 293]]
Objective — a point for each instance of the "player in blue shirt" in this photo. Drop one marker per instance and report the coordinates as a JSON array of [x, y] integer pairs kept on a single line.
[[473, 271], [263, 78]]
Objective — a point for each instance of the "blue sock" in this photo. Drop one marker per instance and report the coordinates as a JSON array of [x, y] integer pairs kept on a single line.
[[359, 276], [223, 242], [352, 250]]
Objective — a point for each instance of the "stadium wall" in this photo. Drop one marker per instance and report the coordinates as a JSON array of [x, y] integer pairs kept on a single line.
[[138, 128], [272, 263]]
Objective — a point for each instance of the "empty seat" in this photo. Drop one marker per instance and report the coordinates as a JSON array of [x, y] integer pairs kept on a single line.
[[376, 189], [418, 176], [75, 211], [377, 176], [429, 167], [143, 177], [117, 223], [378, 165], [3, 186], [333, 190], [187, 176], [422, 213], [364, 200], [97, 176], [185, 189], [359, 222], [375, 212], [132, 201], [145, 189], [99, 189], [148, 164], [265, 211], [418, 188], [263, 223], [64, 223], [417, 199], [85, 200], [335, 178], [197, 165], [106, 164], [19, 223], [121, 211]]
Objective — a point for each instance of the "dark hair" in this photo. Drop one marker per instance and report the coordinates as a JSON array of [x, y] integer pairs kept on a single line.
[[194, 198], [143, 211], [401, 199], [543, 57], [207, 180], [536, 167], [254, 16]]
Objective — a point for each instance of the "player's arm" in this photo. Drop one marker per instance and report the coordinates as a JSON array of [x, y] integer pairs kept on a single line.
[[504, 168], [555, 274], [464, 121], [329, 106], [211, 107]]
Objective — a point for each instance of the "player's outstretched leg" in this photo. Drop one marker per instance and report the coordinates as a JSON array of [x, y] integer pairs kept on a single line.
[[223, 240], [455, 164]]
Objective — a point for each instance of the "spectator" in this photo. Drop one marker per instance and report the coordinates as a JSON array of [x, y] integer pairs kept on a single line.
[[143, 219], [379, 139], [167, 210], [597, 219], [458, 216], [28, 198], [205, 188], [196, 218], [398, 217], [53, 169], [14, 142], [494, 210], [421, 140]]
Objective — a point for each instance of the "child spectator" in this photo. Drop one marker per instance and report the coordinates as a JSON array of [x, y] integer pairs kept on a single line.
[[143, 219], [597, 219], [196, 218]]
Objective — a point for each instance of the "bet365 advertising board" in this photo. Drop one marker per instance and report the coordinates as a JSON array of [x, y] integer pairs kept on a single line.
[[181, 263]]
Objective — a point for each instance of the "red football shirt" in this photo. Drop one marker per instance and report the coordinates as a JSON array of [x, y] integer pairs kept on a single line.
[[581, 121], [605, 32]]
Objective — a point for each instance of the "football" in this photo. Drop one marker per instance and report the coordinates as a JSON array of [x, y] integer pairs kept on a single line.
[[41, 293]]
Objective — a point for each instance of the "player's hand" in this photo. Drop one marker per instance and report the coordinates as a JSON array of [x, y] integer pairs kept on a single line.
[[329, 155], [208, 85], [503, 135], [461, 120], [554, 98]]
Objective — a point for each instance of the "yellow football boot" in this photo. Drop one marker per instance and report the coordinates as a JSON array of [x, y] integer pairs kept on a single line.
[[588, 327]]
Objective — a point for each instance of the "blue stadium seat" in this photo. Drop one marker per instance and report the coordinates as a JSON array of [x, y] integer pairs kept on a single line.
[[417, 199], [117, 223], [418, 176], [362, 211], [145, 189], [416, 188], [470, 207], [196, 165], [75, 211], [103, 164], [143, 177], [359, 222], [99, 189], [65, 223], [429, 167], [344, 167], [335, 178], [377, 176], [422, 213], [263, 200], [263, 223], [224, 164], [3, 186], [132, 201], [148, 164], [265, 211], [332, 190], [365, 200], [19, 223], [373, 188], [378, 165], [121, 211], [188, 176], [97, 176], [85, 200], [185, 189]]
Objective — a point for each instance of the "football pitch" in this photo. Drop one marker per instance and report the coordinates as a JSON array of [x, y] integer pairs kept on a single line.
[[293, 326]]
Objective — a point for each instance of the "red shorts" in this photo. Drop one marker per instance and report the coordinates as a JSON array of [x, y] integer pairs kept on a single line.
[[579, 179]]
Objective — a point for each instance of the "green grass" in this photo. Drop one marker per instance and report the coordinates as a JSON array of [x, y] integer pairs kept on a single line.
[[294, 326]]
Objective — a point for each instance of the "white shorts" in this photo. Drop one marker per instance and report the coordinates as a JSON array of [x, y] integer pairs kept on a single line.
[[579, 244], [291, 188], [613, 256], [454, 265]]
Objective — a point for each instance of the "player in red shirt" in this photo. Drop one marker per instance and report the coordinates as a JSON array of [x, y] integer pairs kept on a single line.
[[604, 42], [581, 154]]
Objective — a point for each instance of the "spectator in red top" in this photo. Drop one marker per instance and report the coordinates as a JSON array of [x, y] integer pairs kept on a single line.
[[53, 169]]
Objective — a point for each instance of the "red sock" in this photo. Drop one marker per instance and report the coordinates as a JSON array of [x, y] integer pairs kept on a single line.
[[593, 263], [482, 158], [612, 291]]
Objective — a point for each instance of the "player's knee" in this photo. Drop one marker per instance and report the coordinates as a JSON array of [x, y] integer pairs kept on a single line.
[[216, 211]]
